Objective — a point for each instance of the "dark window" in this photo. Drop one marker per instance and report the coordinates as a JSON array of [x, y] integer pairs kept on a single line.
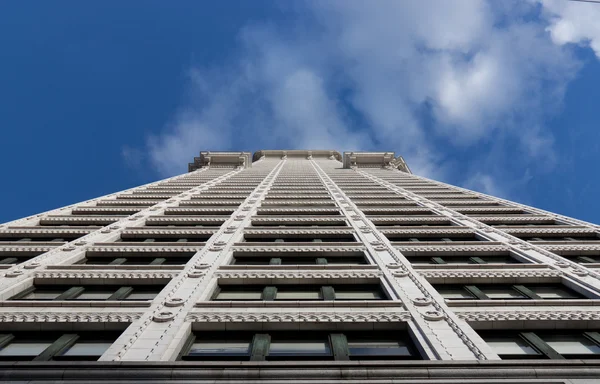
[[88, 292], [299, 292], [433, 239], [294, 345], [43, 346], [463, 260], [91, 260], [286, 260], [300, 239], [555, 344], [506, 292]]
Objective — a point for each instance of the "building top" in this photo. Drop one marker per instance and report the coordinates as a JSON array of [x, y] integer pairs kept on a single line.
[[349, 160], [298, 153]]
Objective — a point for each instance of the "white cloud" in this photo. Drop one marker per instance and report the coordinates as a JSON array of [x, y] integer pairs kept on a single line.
[[574, 22], [485, 184], [348, 75]]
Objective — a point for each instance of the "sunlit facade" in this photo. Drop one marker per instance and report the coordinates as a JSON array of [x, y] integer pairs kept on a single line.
[[300, 266]]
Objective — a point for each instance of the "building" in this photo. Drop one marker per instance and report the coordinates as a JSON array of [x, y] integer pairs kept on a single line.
[[302, 266]]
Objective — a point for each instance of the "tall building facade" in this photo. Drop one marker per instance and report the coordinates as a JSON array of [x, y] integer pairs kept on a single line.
[[304, 266]]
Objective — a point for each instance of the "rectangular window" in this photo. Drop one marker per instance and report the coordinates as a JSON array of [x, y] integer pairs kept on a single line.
[[282, 346], [571, 344], [52, 345], [501, 293], [507, 292], [554, 292], [555, 344], [235, 293], [88, 292], [297, 293], [300, 292], [24, 348], [373, 345], [87, 349], [299, 345], [510, 345], [454, 293]]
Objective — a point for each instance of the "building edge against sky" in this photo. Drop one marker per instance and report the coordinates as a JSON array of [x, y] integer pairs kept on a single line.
[[304, 265]]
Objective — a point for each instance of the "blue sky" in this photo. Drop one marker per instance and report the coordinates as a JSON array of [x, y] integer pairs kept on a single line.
[[501, 97]]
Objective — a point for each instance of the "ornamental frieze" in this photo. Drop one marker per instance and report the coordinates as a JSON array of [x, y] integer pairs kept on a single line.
[[492, 274], [69, 317], [103, 275], [523, 315], [325, 317], [308, 274], [308, 247]]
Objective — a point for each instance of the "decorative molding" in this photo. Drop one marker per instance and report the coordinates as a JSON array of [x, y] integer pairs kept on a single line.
[[308, 247], [570, 247], [553, 230], [278, 219], [410, 219], [49, 231], [307, 274], [168, 231], [6, 249], [294, 231], [523, 315], [445, 247], [294, 317], [490, 273], [54, 274], [332, 210], [139, 248], [69, 317], [512, 219], [429, 231], [58, 219]]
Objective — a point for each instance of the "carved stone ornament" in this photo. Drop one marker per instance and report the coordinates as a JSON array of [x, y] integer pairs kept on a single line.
[[293, 317], [14, 273], [489, 273], [433, 315], [163, 317], [174, 302], [299, 275], [69, 317], [552, 315], [103, 275], [422, 301], [195, 275], [32, 265], [400, 273]]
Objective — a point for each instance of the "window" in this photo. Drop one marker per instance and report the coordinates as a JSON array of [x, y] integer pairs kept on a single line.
[[449, 238], [298, 345], [300, 292], [88, 292], [282, 239], [43, 346], [309, 260], [377, 345], [302, 346], [555, 344], [506, 292], [507, 259], [93, 260]]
